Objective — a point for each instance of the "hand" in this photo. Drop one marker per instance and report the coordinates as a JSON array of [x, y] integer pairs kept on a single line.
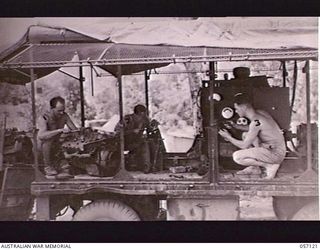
[[225, 134], [229, 124], [154, 123]]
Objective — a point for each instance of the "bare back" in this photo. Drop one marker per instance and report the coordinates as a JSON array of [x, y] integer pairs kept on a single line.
[[270, 134]]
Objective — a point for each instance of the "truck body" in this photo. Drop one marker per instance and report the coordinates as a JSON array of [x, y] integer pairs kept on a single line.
[[200, 184]]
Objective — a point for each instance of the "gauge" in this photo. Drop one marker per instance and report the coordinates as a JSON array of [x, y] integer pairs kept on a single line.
[[227, 113], [217, 97], [242, 121]]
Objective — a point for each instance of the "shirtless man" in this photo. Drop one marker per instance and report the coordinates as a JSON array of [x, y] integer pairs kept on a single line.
[[51, 125], [271, 149]]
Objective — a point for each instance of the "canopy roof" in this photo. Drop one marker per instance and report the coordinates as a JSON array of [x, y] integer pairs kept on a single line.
[[46, 49]]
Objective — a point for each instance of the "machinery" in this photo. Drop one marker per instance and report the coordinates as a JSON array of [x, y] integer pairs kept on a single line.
[[93, 152], [17, 147], [16, 174]]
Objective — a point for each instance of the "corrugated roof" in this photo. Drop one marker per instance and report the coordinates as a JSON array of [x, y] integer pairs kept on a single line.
[[52, 48], [110, 53]]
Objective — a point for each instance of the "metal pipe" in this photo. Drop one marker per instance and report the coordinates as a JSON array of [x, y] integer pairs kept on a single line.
[[146, 78], [3, 124], [233, 57], [212, 130], [309, 141], [119, 76], [68, 74], [34, 116], [81, 96]]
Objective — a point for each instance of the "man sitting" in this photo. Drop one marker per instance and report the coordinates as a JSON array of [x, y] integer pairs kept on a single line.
[[271, 149], [51, 125], [134, 126]]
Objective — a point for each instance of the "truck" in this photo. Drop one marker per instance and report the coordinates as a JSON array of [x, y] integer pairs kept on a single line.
[[200, 184]]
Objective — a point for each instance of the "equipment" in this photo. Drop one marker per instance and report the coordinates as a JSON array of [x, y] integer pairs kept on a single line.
[[17, 147], [92, 151]]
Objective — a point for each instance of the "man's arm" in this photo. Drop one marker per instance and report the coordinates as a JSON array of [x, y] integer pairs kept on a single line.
[[44, 133], [252, 134], [230, 124], [126, 125], [244, 128]]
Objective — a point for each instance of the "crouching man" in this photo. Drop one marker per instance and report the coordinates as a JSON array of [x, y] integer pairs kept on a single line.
[[271, 149], [51, 125]]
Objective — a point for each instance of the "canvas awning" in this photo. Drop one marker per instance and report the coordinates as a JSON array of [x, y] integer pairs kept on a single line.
[[46, 49]]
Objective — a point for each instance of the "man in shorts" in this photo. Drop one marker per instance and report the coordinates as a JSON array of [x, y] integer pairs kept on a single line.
[[51, 126], [271, 149]]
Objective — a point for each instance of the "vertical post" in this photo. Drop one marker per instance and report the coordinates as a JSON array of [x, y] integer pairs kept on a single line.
[[34, 116], [211, 77], [146, 78], [309, 141], [212, 135], [3, 122], [119, 76], [81, 95], [284, 74]]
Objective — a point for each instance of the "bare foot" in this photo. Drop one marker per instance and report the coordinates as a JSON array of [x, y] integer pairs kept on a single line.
[[271, 171], [250, 170]]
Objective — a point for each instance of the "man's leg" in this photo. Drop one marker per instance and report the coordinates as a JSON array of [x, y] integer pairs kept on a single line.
[[64, 170], [271, 171], [145, 154], [257, 157], [46, 152]]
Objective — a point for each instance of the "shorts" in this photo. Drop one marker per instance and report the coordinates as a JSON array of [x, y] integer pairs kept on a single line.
[[272, 156]]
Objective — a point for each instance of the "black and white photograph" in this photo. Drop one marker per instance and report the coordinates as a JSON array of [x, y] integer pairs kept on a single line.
[[159, 119]]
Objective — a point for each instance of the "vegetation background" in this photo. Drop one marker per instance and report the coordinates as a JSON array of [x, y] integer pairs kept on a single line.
[[172, 96]]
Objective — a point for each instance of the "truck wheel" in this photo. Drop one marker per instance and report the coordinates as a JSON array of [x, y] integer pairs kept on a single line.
[[307, 212], [106, 210]]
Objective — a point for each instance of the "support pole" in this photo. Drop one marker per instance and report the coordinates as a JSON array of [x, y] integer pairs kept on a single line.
[[212, 133], [3, 122], [211, 77], [146, 78], [309, 141], [34, 120], [119, 76], [81, 96], [309, 174]]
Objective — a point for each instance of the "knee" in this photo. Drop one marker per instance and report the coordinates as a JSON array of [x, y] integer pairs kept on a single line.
[[237, 157]]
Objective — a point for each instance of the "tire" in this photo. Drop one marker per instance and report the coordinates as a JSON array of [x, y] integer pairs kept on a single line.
[[106, 210], [307, 212]]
